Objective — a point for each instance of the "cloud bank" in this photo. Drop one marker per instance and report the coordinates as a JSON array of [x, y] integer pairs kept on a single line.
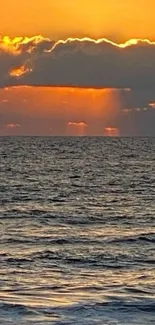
[[76, 62]]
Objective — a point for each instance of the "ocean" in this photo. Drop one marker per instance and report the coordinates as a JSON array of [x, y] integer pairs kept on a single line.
[[77, 231]]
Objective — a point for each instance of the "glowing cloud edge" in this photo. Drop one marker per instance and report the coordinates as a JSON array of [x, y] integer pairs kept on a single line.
[[14, 45], [130, 42]]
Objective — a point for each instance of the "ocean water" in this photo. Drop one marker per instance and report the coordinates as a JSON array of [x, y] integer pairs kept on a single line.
[[77, 231]]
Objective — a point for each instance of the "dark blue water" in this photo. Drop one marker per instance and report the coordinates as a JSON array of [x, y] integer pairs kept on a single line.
[[77, 231]]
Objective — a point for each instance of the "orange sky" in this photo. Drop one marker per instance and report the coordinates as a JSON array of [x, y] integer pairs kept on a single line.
[[62, 18], [54, 111]]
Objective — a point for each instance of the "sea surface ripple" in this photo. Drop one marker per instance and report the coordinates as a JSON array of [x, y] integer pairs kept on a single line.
[[77, 231]]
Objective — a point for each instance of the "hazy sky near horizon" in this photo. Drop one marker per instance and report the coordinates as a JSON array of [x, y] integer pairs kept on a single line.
[[100, 81]]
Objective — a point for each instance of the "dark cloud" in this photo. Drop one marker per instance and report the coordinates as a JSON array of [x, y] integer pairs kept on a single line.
[[83, 64]]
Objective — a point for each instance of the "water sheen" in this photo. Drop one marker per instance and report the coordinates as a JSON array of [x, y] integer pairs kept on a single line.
[[77, 231]]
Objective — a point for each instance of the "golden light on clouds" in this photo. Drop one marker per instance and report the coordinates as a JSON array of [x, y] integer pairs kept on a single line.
[[77, 128], [111, 132], [18, 72], [130, 42], [14, 44]]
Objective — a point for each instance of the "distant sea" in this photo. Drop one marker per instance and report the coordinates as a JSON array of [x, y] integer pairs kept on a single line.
[[77, 231]]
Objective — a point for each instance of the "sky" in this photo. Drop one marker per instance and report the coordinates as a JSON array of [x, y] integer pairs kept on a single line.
[[77, 67]]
